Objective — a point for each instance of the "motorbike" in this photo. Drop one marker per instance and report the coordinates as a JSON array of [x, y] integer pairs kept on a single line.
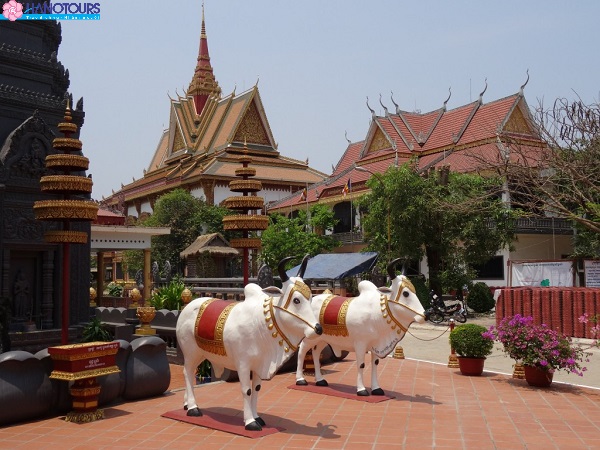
[[439, 311]]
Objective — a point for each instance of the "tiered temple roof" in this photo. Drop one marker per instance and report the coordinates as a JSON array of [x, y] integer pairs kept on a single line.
[[460, 138], [207, 131]]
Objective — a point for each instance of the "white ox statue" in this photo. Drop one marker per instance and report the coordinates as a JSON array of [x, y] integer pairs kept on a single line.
[[254, 337], [374, 321]]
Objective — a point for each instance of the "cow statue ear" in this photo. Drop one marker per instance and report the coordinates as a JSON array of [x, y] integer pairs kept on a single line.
[[272, 290]]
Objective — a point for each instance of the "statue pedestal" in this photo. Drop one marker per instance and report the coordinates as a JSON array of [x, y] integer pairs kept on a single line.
[[82, 363]]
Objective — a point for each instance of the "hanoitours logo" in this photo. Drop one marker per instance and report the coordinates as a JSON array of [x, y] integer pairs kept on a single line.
[[12, 10], [45, 10]]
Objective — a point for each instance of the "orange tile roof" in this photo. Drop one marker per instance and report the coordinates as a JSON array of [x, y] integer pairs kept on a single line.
[[462, 138]]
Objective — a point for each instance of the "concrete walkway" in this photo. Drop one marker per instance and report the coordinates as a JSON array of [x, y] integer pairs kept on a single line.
[[429, 342]]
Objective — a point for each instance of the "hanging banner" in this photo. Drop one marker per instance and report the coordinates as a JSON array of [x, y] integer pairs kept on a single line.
[[542, 274], [592, 273]]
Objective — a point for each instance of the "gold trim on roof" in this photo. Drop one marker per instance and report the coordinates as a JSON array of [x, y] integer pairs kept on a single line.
[[245, 222], [67, 162], [66, 183], [247, 202], [65, 209], [63, 236], [67, 144], [245, 243], [245, 186]]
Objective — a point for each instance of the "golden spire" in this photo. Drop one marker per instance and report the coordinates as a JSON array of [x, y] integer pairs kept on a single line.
[[203, 83]]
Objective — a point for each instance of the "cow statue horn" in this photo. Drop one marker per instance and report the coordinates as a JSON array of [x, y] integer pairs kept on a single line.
[[281, 269], [391, 268], [303, 266]]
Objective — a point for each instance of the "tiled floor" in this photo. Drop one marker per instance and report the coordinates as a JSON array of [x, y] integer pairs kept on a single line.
[[434, 407]]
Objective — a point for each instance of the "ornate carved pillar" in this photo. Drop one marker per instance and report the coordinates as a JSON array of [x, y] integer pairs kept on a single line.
[[5, 273], [47, 289], [100, 277], [147, 282]]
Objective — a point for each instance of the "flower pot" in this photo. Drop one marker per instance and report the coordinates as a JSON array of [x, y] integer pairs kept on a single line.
[[471, 366], [538, 377]]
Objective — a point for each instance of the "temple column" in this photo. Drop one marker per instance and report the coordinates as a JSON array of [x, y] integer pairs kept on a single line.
[[47, 290], [100, 277], [147, 282]]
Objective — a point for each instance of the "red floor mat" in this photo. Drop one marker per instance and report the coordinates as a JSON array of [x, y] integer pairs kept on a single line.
[[340, 390], [221, 422]]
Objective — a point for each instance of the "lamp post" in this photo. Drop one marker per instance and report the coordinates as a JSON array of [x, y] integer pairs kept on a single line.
[[380, 180]]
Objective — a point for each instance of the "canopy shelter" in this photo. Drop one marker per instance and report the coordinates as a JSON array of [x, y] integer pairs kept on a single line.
[[105, 238], [335, 266], [208, 252]]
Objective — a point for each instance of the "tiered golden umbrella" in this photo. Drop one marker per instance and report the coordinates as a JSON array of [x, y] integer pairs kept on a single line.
[[68, 209], [246, 220]]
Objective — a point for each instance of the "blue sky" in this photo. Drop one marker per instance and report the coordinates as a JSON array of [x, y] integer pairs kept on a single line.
[[316, 62]]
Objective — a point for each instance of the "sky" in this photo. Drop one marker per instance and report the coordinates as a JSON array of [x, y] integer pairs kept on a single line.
[[316, 62]]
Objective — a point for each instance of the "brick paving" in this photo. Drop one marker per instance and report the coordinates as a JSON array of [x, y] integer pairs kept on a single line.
[[434, 407]]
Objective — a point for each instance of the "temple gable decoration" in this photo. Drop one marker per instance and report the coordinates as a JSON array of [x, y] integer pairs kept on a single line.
[[25, 149]]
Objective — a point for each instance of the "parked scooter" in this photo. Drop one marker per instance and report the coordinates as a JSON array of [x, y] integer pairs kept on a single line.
[[439, 311]]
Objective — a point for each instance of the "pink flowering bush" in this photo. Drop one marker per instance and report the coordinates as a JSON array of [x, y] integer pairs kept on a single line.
[[538, 346], [595, 329]]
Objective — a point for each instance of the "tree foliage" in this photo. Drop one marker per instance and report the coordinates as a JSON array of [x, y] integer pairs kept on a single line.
[[561, 179], [455, 220], [188, 217], [296, 236]]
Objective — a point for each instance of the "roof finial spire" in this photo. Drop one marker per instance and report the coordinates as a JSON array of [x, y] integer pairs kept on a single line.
[[449, 95], [395, 104], [381, 103], [372, 110], [524, 84], [483, 92], [204, 84]]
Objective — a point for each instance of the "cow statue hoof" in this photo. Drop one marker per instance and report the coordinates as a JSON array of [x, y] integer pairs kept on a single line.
[[363, 393], [301, 383], [322, 383], [260, 421], [195, 412], [377, 391], [253, 426]]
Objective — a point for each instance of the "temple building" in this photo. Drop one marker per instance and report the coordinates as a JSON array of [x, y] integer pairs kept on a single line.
[[458, 139], [33, 97], [200, 150]]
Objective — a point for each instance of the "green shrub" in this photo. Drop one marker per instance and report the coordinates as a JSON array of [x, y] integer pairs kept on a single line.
[[480, 298], [114, 289], [96, 331], [467, 340], [169, 296], [422, 290]]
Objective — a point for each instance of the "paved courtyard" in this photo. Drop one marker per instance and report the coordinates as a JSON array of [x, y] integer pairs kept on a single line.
[[433, 407]]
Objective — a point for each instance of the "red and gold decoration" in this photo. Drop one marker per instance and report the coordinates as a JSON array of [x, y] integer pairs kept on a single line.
[[244, 221], [210, 323], [66, 209], [146, 315], [82, 363]]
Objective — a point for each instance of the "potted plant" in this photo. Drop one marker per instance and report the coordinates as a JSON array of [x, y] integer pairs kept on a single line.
[[96, 331], [472, 345], [540, 350]]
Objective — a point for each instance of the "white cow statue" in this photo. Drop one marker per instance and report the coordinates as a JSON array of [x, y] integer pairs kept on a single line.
[[375, 322], [254, 337]]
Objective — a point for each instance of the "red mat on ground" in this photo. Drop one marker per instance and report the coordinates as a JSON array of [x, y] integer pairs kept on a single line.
[[221, 422], [340, 390]]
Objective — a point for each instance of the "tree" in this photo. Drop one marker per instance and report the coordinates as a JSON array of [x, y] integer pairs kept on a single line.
[[293, 237], [560, 179], [188, 217], [455, 220]]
